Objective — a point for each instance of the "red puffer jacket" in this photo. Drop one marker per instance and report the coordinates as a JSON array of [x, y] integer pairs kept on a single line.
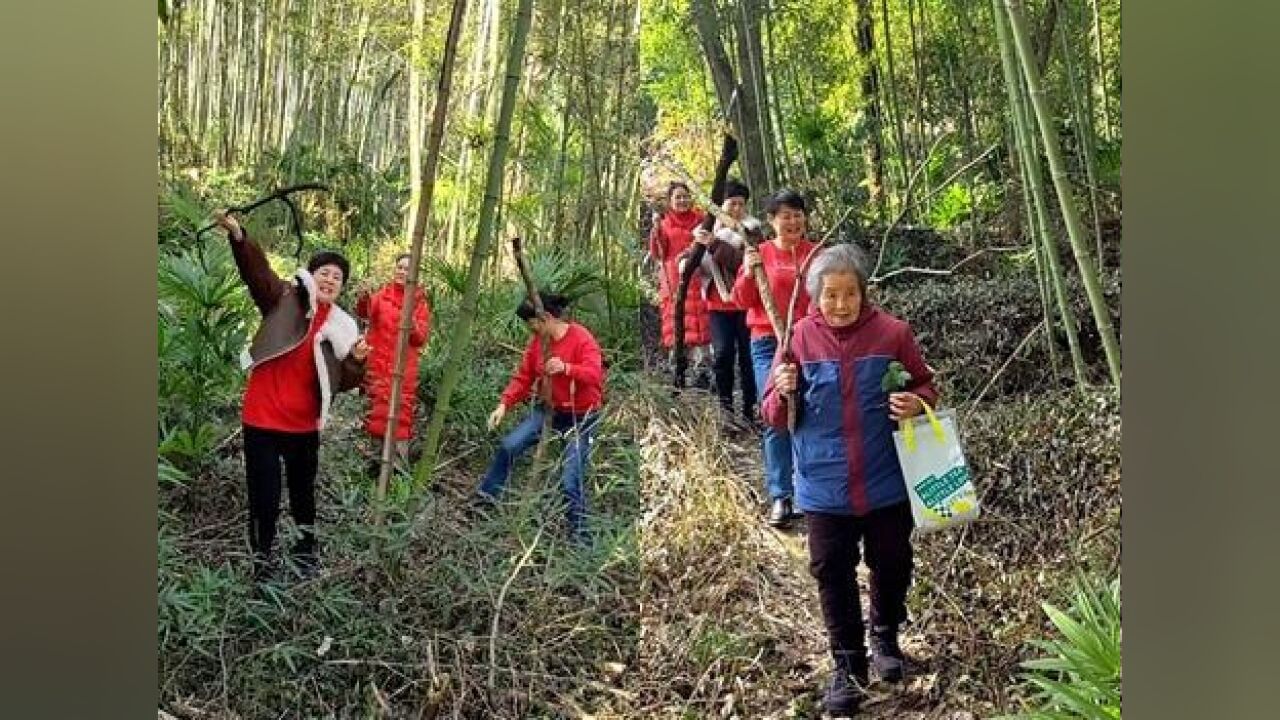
[[382, 311], [671, 237]]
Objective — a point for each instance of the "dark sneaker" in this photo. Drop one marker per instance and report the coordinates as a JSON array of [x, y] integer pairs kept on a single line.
[[263, 570], [886, 656], [482, 503], [780, 513], [306, 566], [702, 381], [847, 688]]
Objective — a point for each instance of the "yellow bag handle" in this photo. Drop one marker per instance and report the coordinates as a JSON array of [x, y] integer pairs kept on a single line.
[[909, 431]]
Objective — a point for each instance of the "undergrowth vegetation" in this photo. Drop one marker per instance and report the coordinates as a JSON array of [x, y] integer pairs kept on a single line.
[[684, 605]]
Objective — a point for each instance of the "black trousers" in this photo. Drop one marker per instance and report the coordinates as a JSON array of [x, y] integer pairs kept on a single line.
[[264, 453], [833, 561], [731, 342]]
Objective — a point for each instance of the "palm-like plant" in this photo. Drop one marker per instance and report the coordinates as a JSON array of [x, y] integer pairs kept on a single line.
[[1079, 677]]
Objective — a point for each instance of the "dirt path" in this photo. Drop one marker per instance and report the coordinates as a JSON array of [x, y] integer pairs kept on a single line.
[[694, 462]]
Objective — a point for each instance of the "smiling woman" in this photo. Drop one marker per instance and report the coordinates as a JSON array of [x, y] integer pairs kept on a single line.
[[849, 483], [306, 350], [781, 259]]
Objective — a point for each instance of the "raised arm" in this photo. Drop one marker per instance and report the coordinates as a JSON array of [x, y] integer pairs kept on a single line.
[[265, 286]]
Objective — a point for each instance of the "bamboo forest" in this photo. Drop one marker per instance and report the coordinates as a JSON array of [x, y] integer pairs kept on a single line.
[[638, 359]]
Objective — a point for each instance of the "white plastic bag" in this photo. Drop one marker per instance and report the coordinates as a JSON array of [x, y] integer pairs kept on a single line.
[[933, 466]]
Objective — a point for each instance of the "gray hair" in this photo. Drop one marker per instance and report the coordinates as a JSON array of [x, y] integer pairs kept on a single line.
[[842, 258]]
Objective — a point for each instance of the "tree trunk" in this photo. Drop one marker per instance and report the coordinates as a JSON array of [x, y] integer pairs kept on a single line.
[[782, 170], [1084, 138], [1101, 61], [755, 97], [460, 339], [744, 114], [873, 150], [904, 151], [415, 111]]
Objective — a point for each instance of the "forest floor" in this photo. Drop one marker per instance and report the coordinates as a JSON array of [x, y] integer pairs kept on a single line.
[[687, 605]]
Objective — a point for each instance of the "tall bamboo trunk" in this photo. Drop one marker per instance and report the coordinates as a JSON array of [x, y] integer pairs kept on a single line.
[[1070, 216], [904, 150], [418, 231], [1046, 249], [460, 339], [1101, 61], [1084, 138], [415, 115], [783, 168]]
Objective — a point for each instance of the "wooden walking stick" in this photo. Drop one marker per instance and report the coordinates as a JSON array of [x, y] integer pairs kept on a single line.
[[753, 235], [544, 382], [728, 153]]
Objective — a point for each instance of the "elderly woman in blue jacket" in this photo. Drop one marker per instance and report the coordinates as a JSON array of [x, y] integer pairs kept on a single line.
[[848, 481]]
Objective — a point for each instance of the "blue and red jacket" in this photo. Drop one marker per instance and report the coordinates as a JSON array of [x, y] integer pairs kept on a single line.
[[845, 462]]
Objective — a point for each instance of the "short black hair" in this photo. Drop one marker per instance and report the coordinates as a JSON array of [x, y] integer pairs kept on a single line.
[[735, 188], [554, 304], [786, 197], [329, 257], [671, 187]]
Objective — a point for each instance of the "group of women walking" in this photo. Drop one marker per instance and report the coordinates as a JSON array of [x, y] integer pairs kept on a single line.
[[827, 407], [823, 405]]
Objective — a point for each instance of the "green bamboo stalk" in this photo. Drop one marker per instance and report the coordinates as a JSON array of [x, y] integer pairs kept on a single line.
[[421, 214], [1047, 251], [1042, 268], [1070, 215], [460, 340], [1085, 133]]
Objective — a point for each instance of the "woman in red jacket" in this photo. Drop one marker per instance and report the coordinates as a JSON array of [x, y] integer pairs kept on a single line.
[[306, 350], [671, 236], [381, 311], [575, 368], [730, 338], [781, 258]]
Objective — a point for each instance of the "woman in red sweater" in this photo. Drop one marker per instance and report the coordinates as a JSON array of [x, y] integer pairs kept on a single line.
[[574, 367], [305, 351], [382, 312], [781, 258], [671, 236]]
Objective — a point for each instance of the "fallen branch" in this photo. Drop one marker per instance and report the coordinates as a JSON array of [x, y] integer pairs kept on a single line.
[[497, 609], [1003, 367], [908, 203], [946, 271]]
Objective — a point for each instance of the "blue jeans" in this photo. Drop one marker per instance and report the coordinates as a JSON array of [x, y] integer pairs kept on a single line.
[[777, 443], [575, 457]]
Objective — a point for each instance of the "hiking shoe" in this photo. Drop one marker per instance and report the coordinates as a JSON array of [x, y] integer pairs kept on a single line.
[[847, 688], [481, 503], [780, 512], [702, 381], [263, 570], [886, 656]]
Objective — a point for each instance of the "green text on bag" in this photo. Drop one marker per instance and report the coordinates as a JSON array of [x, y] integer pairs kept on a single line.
[[934, 489]]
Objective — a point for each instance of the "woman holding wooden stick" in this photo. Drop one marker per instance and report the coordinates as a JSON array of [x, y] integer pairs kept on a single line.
[[730, 336], [305, 351], [671, 236], [574, 366], [781, 257], [849, 481]]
